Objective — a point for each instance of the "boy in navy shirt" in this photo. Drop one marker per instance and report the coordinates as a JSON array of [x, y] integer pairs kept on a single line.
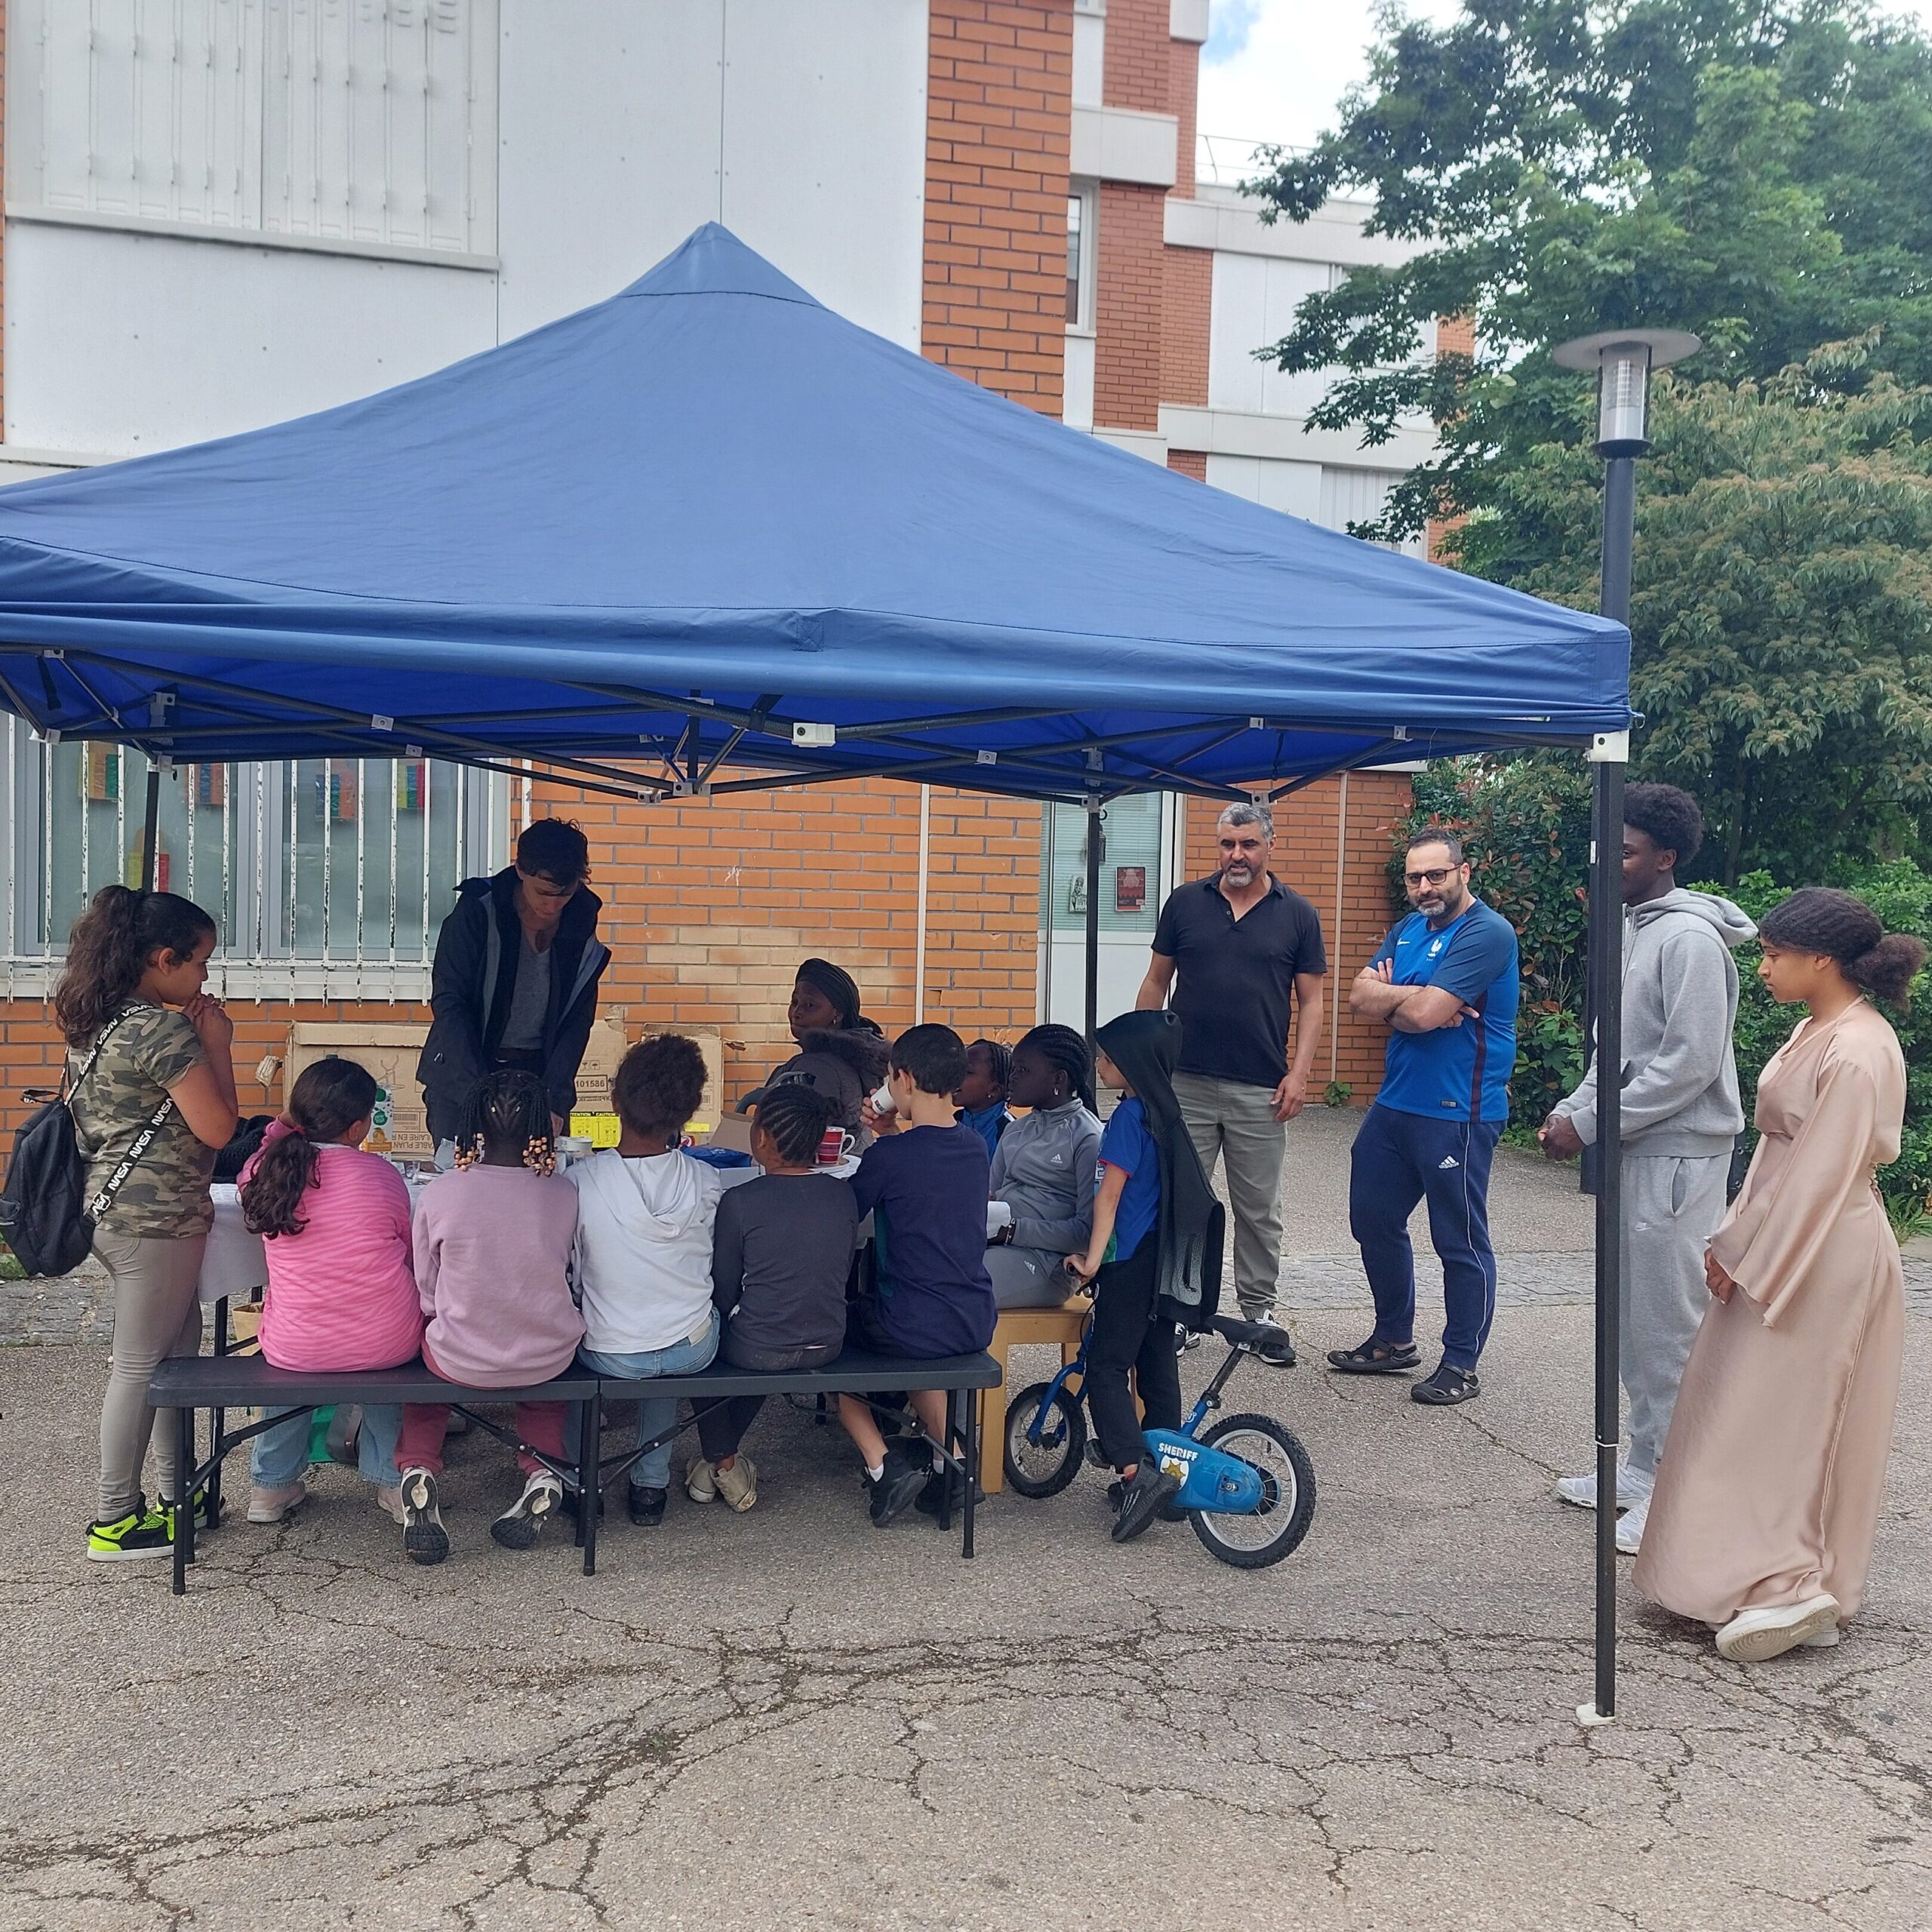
[[1445, 983], [926, 1188]]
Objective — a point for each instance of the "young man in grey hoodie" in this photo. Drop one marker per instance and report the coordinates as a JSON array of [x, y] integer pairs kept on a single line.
[[1680, 1116]]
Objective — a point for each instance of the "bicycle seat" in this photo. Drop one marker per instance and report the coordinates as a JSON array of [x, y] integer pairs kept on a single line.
[[1243, 1334]]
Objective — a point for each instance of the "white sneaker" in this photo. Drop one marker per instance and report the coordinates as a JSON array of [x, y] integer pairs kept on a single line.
[[1754, 1635], [389, 1502], [526, 1518], [1581, 1491], [1630, 1527], [701, 1481], [738, 1485], [275, 1506]]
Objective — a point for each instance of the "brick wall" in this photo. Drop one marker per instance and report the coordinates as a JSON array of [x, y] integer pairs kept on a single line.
[[1130, 295], [1189, 462], [1455, 335], [1139, 72], [1306, 825], [999, 82]]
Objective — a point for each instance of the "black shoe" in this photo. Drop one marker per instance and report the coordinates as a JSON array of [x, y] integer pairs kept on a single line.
[[571, 1502], [898, 1486], [424, 1539], [647, 1504], [1374, 1358], [1447, 1385], [1170, 1511], [1141, 1500], [1278, 1351], [951, 1488]]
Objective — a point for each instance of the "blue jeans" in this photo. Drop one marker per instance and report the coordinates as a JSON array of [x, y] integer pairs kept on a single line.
[[655, 1414], [1397, 1160], [278, 1456]]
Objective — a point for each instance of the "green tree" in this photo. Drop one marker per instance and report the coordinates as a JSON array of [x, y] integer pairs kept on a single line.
[[1755, 173]]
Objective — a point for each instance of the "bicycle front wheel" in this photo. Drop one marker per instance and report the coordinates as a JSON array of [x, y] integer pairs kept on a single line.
[[1287, 1494], [1044, 1468]]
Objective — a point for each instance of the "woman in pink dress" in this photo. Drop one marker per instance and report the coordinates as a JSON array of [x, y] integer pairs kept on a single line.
[[1769, 1489]]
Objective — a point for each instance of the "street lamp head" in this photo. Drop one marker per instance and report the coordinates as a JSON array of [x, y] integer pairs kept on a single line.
[[1623, 359]]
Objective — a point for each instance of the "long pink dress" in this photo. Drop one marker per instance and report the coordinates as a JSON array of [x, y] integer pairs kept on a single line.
[[1770, 1486]]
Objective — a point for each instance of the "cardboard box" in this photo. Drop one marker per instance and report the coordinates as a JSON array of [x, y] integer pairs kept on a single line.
[[390, 1052], [711, 1043]]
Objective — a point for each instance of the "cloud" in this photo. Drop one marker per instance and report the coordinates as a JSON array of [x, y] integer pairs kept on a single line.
[[1232, 21]]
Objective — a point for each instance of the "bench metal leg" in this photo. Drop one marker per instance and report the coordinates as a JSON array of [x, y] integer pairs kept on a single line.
[[590, 1477], [183, 1498], [970, 1405], [952, 1436]]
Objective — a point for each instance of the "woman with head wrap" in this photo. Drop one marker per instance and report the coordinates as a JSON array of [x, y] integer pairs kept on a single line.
[[1043, 1169], [842, 1054]]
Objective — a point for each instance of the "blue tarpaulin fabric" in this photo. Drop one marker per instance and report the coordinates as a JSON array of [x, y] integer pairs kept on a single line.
[[672, 526]]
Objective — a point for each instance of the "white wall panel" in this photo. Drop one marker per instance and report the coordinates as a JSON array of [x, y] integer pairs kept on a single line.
[[1254, 303], [801, 123], [1294, 488], [1077, 392], [119, 344]]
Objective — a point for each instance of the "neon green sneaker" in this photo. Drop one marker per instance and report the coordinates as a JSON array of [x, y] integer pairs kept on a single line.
[[200, 1514], [142, 1532]]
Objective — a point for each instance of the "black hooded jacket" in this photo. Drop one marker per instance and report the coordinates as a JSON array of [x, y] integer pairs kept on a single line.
[[471, 987], [1146, 1047]]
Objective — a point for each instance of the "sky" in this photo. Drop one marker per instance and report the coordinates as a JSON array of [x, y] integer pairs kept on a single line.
[[1274, 69]]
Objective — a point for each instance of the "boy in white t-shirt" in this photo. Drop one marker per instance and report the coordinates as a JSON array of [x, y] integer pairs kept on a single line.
[[643, 1264]]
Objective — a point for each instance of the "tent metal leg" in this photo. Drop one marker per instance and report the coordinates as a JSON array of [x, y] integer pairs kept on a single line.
[[1092, 957], [151, 827]]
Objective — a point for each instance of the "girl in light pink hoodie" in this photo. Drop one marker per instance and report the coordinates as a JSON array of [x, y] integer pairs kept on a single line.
[[493, 1244]]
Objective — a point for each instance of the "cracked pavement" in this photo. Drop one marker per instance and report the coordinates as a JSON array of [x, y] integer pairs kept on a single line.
[[787, 1718]]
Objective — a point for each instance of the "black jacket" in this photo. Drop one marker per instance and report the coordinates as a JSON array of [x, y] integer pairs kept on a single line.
[[469, 994]]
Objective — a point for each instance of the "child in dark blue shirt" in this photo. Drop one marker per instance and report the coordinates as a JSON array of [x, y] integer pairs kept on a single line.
[[1154, 1257], [925, 1188]]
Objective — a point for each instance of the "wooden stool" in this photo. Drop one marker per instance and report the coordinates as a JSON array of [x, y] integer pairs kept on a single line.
[[1056, 1327]]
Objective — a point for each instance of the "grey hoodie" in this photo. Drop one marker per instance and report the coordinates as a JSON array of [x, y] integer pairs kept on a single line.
[[1680, 1005], [1043, 1170]]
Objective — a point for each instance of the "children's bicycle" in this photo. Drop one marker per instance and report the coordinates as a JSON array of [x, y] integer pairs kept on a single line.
[[1248, 1485]]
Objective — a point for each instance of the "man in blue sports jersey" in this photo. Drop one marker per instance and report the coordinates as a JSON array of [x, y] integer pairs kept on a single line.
[[1445, 984]]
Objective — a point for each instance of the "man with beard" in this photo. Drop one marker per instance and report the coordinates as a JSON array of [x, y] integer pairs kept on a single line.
[[1444, 982], [1249, 955]]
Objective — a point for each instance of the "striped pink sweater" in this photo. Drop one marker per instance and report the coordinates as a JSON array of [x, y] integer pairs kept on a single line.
[[342, 1293]]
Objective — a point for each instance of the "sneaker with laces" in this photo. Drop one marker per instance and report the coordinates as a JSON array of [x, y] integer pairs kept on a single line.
[[142, 1532], [1630, 1527], [897, 1486], [1580, 1492], [948, 1486], [701, 1481], [528, 1517], [389, 1502], [275, 1506], [424, 1539], [1755, 1636], [738, 1485], [647, 1505], [1278, 1352], [1142, 1499]]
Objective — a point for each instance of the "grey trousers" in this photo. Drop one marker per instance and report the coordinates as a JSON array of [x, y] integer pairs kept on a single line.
[[1671, 1208], [1028, 1277], [156, 1314], [1235, 1121]]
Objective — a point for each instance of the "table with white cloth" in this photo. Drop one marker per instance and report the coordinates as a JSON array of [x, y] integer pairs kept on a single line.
[[235, 1268]]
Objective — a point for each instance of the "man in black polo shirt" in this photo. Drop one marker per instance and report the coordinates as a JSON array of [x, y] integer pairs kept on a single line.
[[1247, 951]]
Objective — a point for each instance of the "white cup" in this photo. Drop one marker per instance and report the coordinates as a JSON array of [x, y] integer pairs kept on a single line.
[[882, 1101]]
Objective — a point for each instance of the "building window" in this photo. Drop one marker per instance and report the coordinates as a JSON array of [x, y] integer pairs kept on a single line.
[[1080, 210], [357, 125], [328, 877]]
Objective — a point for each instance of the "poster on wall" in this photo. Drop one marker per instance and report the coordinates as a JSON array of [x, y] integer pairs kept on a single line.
[[1129, 888]]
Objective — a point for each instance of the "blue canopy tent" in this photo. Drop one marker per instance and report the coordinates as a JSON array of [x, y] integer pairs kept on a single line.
[[707, 536]]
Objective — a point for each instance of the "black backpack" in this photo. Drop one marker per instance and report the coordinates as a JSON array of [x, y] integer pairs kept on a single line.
[[46, 1216]]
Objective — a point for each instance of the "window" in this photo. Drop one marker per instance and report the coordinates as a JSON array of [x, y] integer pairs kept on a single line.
[[357, 124], [1080, 238], [326, 878], [1131, 870]]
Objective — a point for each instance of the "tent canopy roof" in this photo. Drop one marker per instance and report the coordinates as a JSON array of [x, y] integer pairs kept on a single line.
[[642, 543]]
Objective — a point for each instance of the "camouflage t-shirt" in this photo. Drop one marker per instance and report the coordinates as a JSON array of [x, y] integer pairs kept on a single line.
[[167, 1194]]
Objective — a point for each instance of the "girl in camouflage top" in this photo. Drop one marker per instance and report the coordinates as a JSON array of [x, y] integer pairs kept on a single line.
[[130, 957]]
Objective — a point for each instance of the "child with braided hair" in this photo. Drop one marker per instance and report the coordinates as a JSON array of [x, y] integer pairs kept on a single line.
[[492, 1243], [1043, 1169]]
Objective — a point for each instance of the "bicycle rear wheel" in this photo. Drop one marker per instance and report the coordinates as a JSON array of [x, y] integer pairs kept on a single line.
[[1046, 1467], [1287, 1494]]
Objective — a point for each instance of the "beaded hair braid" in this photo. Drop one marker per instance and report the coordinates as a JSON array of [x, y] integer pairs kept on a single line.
[[506, 1109]]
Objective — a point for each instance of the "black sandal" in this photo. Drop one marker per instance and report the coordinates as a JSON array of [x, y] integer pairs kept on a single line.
[[1447, 1387], [1375, 1357]]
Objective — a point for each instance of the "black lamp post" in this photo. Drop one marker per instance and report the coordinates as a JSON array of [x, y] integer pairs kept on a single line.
[[1623, 359]]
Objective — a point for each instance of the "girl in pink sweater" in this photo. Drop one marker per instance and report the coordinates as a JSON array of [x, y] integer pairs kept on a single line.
[[341, 1291], [493, 1245]]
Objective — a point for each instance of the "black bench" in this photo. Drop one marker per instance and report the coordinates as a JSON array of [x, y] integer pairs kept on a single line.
[[187, 1383]]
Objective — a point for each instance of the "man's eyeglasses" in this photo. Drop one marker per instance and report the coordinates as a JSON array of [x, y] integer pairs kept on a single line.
[[1435, 877]]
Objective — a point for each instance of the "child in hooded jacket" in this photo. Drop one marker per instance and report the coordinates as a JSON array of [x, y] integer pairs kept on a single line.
[[646, 1213]]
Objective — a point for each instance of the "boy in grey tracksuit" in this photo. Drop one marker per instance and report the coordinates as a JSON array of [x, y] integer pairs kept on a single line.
[[1680, 1116]]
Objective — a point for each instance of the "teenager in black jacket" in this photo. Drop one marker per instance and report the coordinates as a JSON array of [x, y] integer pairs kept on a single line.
[[514, 982]]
